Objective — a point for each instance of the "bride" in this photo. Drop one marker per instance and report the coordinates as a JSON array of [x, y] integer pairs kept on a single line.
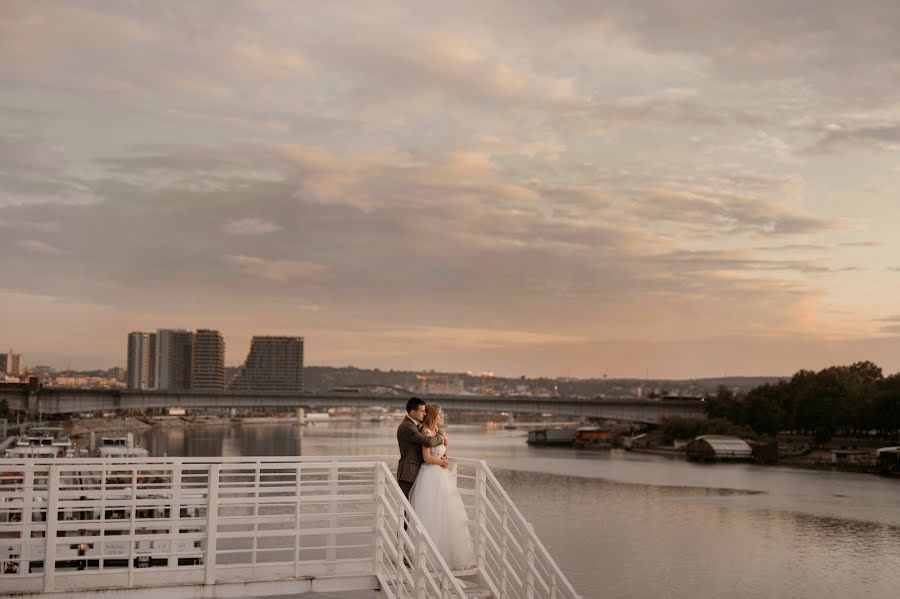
[[437, 501]]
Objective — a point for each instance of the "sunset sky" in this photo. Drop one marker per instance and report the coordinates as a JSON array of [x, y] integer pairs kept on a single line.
[[665, 188]]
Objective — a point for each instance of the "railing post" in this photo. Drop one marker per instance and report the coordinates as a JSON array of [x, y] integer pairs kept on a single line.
[[480, 499], [299, 509], [212, 522], [445, 587], [379, 516], [174, 513], [27, 515], [50, 529], [402, 518], [504, 549], [331, 552], [529, 561], [419, 548], [132, 537], [257, 475]]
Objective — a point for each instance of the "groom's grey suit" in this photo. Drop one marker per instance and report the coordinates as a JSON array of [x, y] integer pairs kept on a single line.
[[411, 442]]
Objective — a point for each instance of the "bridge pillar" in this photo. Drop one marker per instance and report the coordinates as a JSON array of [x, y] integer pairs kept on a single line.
[[301, 416], [510, 421], [32, 407]]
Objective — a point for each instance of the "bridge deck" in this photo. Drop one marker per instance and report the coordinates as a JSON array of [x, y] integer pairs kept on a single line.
[[67, 401]]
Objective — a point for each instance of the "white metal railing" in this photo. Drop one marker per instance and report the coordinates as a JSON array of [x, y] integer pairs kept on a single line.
[[93, 524], [512, 561], [182, 522], [406, 560]]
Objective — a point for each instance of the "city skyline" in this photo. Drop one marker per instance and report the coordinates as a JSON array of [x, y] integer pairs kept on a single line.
[[663, 189]]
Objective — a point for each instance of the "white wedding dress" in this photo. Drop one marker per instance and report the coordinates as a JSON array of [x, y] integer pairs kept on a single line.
[[439, 506]]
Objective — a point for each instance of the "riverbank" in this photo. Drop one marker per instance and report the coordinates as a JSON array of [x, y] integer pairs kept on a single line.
[[119, 426]]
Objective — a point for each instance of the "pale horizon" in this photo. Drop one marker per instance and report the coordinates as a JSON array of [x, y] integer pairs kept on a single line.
[[658, 189]]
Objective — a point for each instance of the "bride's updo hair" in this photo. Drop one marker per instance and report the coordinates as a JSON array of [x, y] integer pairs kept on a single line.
[[432, 411]]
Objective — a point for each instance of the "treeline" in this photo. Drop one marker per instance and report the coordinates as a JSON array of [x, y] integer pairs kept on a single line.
[[842, 400], [689, 428]]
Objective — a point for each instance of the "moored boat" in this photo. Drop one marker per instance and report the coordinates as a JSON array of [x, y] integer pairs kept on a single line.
[[42, 442]]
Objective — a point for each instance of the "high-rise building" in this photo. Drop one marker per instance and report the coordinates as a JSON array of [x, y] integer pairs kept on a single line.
[[273, 364], [141, 367], [11, 363], [174, 358], [209, 360]]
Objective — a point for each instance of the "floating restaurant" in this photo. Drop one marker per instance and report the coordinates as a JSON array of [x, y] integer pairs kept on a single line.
[[718, 448]]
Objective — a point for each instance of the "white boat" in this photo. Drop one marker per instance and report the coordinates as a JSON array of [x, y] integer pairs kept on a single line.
[[120, 447], [42, 442]]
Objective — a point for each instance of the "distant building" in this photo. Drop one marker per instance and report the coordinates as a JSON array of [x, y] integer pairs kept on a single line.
[[174, 358], [230, 373], [11, 364], [116, 373], [273, 364], [141, 366], [209, 360]]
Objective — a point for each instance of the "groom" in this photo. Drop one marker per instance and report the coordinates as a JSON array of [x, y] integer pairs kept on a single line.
[[411, 442]]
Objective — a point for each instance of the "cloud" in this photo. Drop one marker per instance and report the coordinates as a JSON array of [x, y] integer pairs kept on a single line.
[[838, 137], [250, 226], [469, 338], [39, 226], [708, 207], [790, 247], [41, 247], [16, 190], [273, 62], [278, 270], [510, 177], [861, 244]]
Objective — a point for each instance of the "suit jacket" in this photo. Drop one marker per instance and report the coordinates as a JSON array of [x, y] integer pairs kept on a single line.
[[411, 442]]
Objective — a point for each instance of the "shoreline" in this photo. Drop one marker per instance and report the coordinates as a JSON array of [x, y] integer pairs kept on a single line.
[[80, 430]]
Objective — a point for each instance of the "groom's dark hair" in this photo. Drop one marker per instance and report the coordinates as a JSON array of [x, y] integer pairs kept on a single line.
[[413, 404]]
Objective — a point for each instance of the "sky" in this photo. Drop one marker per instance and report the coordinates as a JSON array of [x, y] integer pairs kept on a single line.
[[655, 188]]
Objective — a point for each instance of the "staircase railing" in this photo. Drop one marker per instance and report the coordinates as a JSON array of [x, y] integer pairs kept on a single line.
[[512, 561], [407, 563]]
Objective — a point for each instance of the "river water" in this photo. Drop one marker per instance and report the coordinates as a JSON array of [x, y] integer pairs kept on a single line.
[[623, 525]]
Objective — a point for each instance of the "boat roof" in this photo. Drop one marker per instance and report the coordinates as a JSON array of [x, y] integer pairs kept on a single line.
[[725, 443]]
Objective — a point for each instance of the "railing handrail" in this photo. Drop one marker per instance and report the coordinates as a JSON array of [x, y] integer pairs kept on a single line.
[[538, 545], [195, 460]]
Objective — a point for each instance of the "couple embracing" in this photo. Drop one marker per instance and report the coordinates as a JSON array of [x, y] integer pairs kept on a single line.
[[426, 482]]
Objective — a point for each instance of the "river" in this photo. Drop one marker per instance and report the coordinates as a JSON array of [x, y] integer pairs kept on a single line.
[[633, 526]]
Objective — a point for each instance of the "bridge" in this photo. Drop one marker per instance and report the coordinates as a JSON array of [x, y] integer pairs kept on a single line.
[[253, 526], [37, 400]]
